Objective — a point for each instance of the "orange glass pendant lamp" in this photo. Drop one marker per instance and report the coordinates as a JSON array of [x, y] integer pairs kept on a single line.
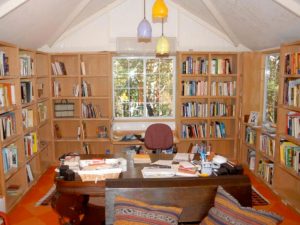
[[159, 9]]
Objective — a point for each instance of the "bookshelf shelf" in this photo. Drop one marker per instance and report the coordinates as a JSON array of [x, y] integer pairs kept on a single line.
[[208, 100], [289, 171], [87, 84], [27, 82]]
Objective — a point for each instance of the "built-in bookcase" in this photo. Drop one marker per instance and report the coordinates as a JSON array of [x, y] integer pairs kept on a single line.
[[24, 83], [287, 168], [208, 86], [81, 102]]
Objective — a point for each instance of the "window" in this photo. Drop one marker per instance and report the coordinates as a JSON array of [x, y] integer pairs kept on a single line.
[[144, 87], [271, 87]]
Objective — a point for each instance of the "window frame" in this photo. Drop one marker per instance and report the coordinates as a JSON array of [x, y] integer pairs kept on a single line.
[[145, 117]]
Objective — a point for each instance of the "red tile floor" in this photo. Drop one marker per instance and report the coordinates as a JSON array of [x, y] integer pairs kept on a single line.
[[26, 213]]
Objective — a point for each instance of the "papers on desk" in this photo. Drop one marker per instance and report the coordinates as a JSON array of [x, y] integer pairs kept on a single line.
[[141, 158], [163, 163], [156, 172], [179, 157]]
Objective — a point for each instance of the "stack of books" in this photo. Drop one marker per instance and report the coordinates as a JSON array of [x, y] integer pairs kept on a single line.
[[141, 158]]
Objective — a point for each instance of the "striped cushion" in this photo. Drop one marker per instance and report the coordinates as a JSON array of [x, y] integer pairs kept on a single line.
[[227, 210], [133, 212]]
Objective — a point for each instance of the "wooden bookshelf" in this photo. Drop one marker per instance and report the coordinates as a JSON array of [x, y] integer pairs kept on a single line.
[[287, 176], [86, 86], [23, 66], [207, 90]]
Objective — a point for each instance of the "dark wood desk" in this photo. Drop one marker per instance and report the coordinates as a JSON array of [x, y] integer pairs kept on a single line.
[[194, 194]]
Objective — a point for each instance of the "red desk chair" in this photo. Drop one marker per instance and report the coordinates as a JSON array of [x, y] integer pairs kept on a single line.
[[4, 219], [158, 137]]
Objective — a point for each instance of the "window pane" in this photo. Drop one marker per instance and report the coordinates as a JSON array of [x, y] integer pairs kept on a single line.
[[130, 91], [271, 88]]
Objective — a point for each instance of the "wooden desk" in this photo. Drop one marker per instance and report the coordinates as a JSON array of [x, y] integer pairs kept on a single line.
[[194, 194]]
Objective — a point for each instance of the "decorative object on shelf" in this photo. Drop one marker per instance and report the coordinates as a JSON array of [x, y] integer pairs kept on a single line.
[[159, 9], [253, 118], [162, 47], [102, 132], [144, 29]]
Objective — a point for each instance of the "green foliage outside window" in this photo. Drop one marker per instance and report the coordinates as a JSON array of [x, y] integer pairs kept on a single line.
[[271, 87], [143, 87]]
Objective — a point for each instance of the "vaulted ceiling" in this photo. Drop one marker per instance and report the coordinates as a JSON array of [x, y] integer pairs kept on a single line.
[[256, 24]]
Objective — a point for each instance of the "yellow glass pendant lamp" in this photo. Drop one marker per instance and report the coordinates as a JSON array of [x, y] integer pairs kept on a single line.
[[159, 9], [162, 46]]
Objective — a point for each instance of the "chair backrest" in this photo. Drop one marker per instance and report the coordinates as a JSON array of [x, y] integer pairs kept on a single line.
[[158, 136]]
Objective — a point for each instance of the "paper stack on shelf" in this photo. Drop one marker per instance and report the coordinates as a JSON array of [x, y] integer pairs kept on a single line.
[[141, 158]]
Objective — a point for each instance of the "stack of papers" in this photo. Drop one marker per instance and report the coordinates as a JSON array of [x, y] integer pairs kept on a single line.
[[72, 162], [187, 169], [141, 158], [156, 172], [179, 157]]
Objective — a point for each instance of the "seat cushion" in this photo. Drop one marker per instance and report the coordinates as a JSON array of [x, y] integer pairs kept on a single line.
[[227, 210], [133, 212]]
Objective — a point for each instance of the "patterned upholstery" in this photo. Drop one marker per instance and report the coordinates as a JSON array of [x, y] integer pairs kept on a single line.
[[133, 212], [227, 210]]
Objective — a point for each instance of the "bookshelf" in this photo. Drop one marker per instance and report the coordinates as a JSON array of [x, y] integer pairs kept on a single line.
[[287, 176], [81, 102], [21, 140], [207, 100]]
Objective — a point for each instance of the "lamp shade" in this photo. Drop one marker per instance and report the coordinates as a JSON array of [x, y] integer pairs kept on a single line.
[[144, 30], [159, 9], [162, 46]]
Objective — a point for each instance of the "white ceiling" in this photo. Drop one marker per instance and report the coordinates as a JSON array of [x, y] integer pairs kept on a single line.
[[256, 24]]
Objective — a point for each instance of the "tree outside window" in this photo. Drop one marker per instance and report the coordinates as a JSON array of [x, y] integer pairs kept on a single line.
[[272, 66], [143, 87]]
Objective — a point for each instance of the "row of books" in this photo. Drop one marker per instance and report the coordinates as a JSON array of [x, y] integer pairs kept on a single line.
[[292, 63], [86, 89], [194, 109], [266, 170], [30, 144], [194, 130], [250, 136], [9, 157], [195, 66], [193, 88], [251, 158], [58, 68], [4, 65], [26, 65], [7, 94], [7, 125], [217, 129], [292, 92], [221, 66], [290, 155], [90, 110], [27, 118], [293, 124], [225, 88], [26, 92], [221, 109], [267, 145]]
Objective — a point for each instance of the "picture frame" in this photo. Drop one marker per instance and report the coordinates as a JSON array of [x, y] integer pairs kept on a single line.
[[253, 118]]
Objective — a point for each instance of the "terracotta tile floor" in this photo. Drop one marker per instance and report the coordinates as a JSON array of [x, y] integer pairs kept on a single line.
[[25, 213]]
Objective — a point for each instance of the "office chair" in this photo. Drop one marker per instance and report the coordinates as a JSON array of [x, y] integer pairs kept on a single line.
[[158, 137], [3, 218]]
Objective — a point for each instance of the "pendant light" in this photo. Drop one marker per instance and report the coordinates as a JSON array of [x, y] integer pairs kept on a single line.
[[159, 9], [162, 47], [144, 29]]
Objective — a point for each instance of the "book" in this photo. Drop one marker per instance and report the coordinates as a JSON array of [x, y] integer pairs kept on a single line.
[[141, 158], [30, 177]]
